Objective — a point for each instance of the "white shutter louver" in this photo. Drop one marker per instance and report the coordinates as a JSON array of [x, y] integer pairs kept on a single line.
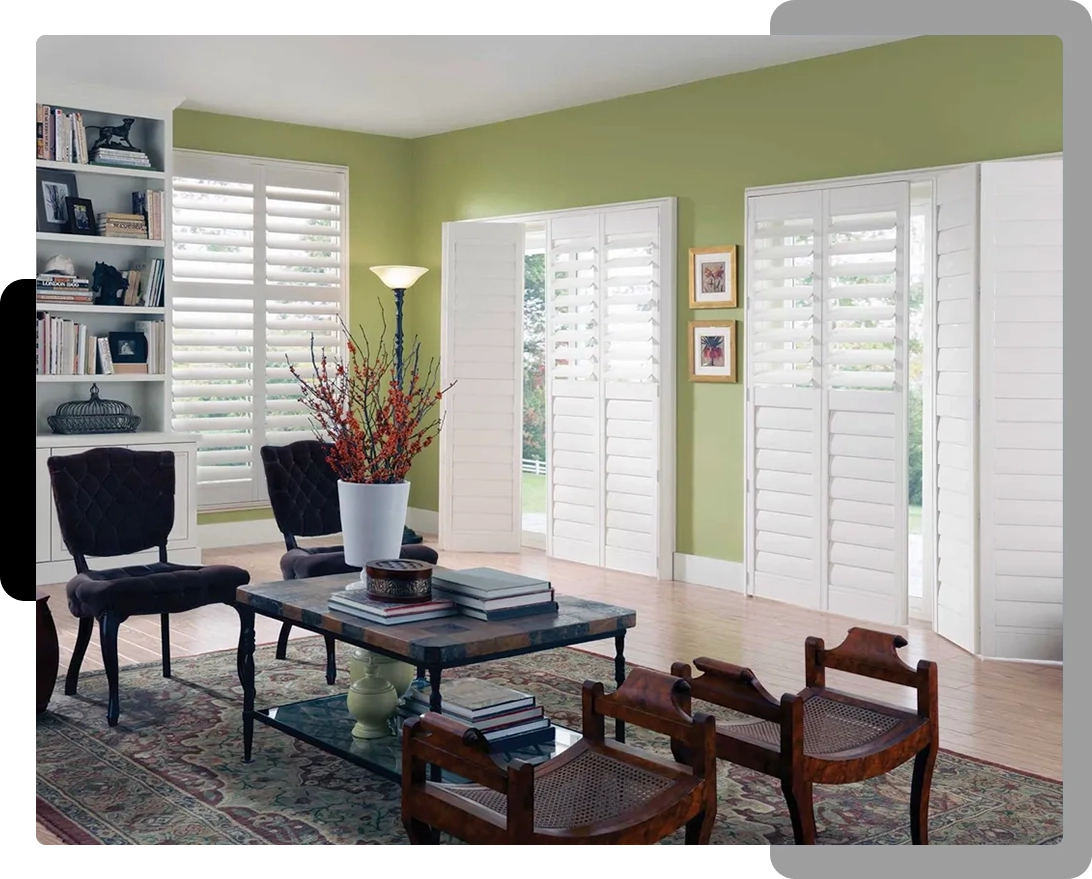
[[257, 267], [865, 280], [482, 440], [955, 353], [784, 466], [1021, 427]]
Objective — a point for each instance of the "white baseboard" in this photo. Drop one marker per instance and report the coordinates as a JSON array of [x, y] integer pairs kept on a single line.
[[423, 521], [704, 571], [218, 535]]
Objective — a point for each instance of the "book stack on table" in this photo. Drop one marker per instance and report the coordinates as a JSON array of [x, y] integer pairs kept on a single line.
[[508, 719], [491, 595], [356, 602]]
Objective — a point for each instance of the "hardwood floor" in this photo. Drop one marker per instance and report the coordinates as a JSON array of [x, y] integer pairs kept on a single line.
[[1007, 713]]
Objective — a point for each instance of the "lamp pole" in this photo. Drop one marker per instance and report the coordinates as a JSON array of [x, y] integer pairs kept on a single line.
[[399, 297]]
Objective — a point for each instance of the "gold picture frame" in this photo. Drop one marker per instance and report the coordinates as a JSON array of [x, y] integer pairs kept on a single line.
[[706, 364], [713, 273]]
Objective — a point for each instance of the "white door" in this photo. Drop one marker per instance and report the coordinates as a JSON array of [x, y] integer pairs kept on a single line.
[[1021, 410], [481, 351], [955, 406], [609, 350]]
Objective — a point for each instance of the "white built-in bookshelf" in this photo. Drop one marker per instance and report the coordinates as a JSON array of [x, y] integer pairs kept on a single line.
[[110, 190]]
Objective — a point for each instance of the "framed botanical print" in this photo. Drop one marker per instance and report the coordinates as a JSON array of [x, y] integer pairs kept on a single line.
[[713, 277], [712, 349]]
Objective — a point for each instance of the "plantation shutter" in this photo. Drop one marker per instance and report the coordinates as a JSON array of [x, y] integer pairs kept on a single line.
[[864, 355], [575, 435], [215, 348], [482, 440], [1021, 400], [257, 267], [304, 283], [785, 500], [955, 407]]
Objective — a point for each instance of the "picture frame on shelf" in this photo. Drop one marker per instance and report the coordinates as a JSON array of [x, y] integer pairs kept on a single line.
[[712, 350], [128, 347], [81, 216], [53, 190], [713, 272]]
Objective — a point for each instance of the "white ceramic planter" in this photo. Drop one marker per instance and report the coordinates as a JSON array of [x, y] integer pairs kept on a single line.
[[372, 519]]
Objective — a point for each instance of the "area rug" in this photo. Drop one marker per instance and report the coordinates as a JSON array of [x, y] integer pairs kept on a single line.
[[172, 770]]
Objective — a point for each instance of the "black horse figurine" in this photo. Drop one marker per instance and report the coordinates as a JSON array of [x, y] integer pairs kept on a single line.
[[114, 137], [108, 284]]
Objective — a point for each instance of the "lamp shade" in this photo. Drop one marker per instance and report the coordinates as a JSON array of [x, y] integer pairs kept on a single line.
[[399, 277]]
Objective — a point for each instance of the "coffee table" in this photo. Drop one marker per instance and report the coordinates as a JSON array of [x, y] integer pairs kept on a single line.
[[432, 646]]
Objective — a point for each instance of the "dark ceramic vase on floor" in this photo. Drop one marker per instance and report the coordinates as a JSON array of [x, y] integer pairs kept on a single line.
[[49, 656]]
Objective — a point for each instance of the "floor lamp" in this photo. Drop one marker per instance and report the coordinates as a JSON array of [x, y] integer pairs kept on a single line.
[[399, 279]]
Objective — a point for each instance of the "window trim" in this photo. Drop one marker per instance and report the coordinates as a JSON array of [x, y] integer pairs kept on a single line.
[[260, 499]]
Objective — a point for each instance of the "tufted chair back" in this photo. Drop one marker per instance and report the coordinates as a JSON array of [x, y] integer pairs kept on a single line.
[[302, 490], [113, 502]]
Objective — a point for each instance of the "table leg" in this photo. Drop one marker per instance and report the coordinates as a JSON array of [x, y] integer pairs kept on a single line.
[[619, 678], [245, 663], [435, 705]]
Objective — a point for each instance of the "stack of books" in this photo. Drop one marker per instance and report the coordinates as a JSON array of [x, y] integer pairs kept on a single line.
[[491, 595], [63, 288], [356, 602], [120, 158], [61, 136], [149, 204], [152, 294], [122, 225], [65, 347], [155, 331], [508, 719]]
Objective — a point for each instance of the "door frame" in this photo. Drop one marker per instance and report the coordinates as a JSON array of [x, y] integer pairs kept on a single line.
[[669, 283]]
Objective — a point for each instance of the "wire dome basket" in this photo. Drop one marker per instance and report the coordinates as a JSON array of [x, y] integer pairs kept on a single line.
[[94, 416]]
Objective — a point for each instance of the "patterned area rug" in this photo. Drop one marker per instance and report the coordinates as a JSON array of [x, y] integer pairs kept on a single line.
[[171, 771]]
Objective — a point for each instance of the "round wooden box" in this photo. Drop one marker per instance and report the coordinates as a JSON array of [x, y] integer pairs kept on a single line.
[[399, 580]]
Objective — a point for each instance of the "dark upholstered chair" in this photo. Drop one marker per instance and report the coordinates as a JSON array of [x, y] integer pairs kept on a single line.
[[114, 502], [303, 494]]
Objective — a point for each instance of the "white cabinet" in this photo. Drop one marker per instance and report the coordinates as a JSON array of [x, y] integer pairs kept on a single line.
[[54, 563]]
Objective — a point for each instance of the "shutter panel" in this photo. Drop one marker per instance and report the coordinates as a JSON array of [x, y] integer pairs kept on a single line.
[[631, 389], [1021, 435], [214, 347], [864, 354], [574, 441], [784, 456], [954, 427], [481, 443], [303, 265]]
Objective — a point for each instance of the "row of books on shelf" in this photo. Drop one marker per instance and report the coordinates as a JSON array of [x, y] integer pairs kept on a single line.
[[62, 137], [509, 719], [144, 287], [481, 593], [66, 347], [148, 204]]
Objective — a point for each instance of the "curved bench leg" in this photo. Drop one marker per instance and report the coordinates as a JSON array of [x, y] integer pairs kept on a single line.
[[282, 640], [420, 833], [798, 797], [83, 638], [919, 794], [700, 828]]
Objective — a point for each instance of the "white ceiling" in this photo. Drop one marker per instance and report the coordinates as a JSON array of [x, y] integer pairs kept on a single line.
[[410, 86]]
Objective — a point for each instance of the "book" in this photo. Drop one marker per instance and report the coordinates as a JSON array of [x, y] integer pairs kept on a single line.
[[488, 604], [510, 613], [486, 583], [496, 735], [130, 368], [472, 699], [393, 621], [358, 598], [513, 744], [106, 362]]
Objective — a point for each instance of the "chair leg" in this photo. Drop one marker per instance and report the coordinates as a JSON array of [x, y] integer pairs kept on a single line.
[[919, 794], [83, 638], [165, 629], [108, 640], [331, 659], [282, 640], [420, 833], [700, 828], [801, 810]]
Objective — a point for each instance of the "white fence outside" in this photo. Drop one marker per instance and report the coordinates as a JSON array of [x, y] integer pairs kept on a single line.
[[532, 466]]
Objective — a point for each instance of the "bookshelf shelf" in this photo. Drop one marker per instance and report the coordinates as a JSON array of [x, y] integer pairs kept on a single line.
[[98, 240], [109, 170], [90, 379], [76, 308]]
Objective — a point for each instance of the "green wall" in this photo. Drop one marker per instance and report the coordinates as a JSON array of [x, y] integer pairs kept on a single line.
[[912, 104], [380, 208]]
